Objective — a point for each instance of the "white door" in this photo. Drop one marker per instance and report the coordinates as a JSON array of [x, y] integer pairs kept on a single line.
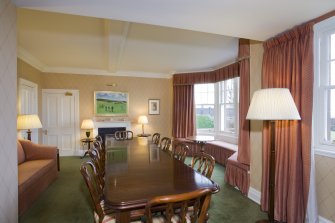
[[61, 120], [27, 104]]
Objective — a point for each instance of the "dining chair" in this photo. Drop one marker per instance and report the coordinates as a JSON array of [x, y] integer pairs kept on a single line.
[[180, 151], [99, 139], [177, 207], [120, 135], [129, 135], [97, 144], [89, 172], [165, 144], [155, 138], [203, 163], [98, 165]]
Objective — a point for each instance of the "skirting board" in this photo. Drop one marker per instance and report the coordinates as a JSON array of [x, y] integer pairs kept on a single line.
[[255, 196]]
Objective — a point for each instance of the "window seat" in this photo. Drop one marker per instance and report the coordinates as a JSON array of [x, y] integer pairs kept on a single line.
[[236, 174], [220, 150]]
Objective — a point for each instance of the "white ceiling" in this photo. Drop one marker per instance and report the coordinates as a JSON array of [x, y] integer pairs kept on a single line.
[[138, 42]]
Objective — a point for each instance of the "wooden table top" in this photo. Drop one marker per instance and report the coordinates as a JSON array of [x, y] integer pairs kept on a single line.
[[201, 138], [136, 171]]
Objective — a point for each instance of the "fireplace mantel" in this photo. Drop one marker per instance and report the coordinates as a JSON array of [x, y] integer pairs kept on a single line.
[[110, 124]]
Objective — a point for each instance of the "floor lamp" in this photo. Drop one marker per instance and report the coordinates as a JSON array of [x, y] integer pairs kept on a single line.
[[270, 105]]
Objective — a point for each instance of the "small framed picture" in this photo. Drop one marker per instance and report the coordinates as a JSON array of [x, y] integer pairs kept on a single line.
[[153, 107]]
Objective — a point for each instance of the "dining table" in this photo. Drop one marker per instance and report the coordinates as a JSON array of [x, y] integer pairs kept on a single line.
[[138, 170]]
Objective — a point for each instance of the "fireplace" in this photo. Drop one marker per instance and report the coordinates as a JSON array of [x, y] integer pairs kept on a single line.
[[109, 127], [109, 131]]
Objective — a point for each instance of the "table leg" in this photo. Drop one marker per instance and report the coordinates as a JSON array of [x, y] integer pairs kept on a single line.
[[124, 217]]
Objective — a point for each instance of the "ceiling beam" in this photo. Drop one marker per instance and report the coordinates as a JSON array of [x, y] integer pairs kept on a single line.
[[115, 41]]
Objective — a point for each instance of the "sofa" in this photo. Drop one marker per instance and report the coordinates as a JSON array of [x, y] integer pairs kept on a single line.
[[37, 169]]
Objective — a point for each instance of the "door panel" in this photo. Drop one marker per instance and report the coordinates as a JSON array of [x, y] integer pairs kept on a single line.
[[28, 104], [61, 115]]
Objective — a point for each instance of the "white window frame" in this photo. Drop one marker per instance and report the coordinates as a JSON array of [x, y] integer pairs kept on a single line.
[[322, 31], [222, 135]]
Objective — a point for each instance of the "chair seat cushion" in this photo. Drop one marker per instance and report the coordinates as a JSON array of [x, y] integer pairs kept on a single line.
[[174, 219]]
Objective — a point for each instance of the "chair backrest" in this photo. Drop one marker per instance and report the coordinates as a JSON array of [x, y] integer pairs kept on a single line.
[[89, 172], [99, 139], [99, 162], [180, 151], [203, 163], [120, 135], [199, 199], [165, 144], [129, 135], [123, 135], [155, 138]]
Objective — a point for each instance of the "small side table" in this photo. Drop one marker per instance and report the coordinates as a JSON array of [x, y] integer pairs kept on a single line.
[[202, 140], [86, 141], [143, 135]]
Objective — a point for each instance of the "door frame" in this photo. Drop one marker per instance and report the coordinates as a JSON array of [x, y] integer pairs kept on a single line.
[[75, 94], [34, 86]]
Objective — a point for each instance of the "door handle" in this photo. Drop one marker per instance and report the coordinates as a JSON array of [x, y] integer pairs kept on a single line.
[[45, 131]]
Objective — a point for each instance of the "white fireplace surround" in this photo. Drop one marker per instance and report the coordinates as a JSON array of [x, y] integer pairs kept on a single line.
[[110, 124]]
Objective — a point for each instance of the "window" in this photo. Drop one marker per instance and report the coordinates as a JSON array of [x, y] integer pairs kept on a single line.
[[324, 88], [217, 108]]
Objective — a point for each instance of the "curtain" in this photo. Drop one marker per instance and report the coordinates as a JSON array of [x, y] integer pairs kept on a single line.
[[288, 63], [183, 111], [243, 155], [183, 96]]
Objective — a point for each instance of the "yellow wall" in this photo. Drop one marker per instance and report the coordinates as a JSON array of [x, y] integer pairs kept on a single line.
[[256, 57], [139, 89]]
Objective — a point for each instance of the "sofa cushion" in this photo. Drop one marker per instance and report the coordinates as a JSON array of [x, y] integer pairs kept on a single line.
[[20, 153], [31, 170]]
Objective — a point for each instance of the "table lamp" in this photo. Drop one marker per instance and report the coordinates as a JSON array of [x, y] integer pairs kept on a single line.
[[87, 124], [270, 105], [143, 120], [28, 122]]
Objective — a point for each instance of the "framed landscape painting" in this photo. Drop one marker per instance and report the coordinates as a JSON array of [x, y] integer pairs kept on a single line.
[[110, 103]]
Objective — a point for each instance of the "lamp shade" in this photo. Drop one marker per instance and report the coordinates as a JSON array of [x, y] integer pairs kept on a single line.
[[28, 122], [87, 124], [273, 104], [143, 119]]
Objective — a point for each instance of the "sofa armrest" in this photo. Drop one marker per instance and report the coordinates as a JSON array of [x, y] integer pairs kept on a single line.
[[35, 151]]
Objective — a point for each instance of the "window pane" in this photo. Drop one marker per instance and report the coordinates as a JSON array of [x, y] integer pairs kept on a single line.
[[229, 117], [228, 114], [332, 73], [331, 117], [204, 93], [332, 49], [205, 116]]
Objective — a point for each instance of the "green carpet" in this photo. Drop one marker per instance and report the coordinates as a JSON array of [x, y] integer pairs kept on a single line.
[[68, 200]]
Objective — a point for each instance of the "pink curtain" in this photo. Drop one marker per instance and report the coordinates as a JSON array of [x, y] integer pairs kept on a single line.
[[288, 63], [183, 111], [183, 97], [243, 155]]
